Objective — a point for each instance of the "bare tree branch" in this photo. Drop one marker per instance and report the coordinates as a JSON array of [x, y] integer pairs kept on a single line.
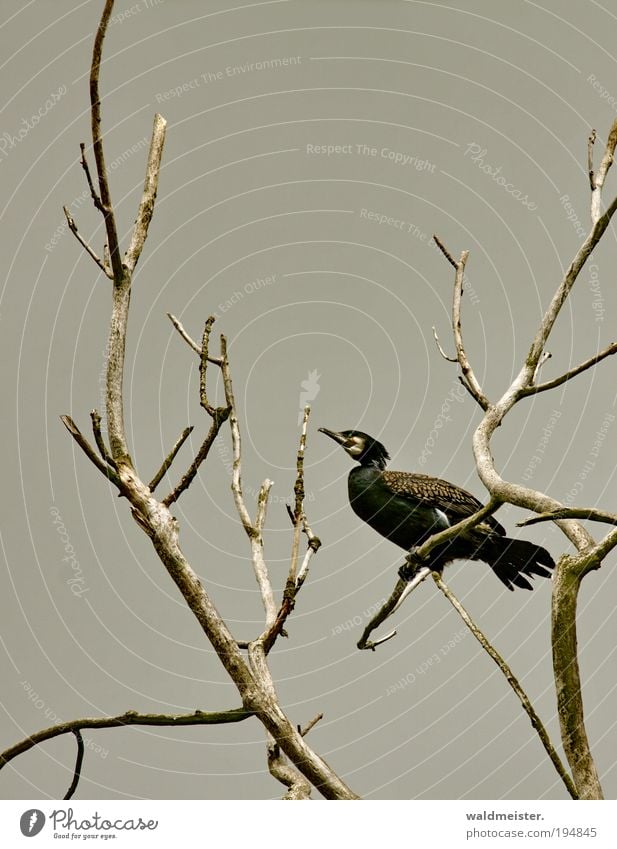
[[95, 417], [590, 143], [218, 414], [148, 198], [295, 577], [236, 476], [569, 570], [78, 764], [445, 251], [513, 682], [131, 717], [89, 451], [310, 725], [468, 378], [170, 458], [74, 230], [557, 381], [590, 513], [105, 203], [597, 183], [441, 350], [253, 680], [190, 473], [93, 193], [468, 374], [191, 342], [546, 355]]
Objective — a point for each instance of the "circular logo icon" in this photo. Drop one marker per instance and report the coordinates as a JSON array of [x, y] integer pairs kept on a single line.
[[32, 822]]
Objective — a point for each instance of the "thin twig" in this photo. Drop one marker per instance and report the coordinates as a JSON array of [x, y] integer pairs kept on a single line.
[[295, 577], [191, 342], [190, 473], [148, 198], [218, 414], [590, 143], [89, 451], [97, 145], [402, 589], [93, 193], [75, 231], [78, 764], [463, 361], [236, 475], [310, 725], [131, 717], [257, 551], [253, 530], [441, 350], [95, 417], [600, 176], [590, 514], [312, 547], [298, 513], [546, 355], [170, 458], [557, 381], [512, 681], [445, 251]]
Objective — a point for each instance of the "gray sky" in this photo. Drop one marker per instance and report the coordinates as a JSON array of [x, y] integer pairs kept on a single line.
[[312, 150]]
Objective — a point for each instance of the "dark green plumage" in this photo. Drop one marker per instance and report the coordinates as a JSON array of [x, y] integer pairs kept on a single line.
[[408, 508]]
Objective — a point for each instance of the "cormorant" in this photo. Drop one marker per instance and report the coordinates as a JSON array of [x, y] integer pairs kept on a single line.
[[408, 508]]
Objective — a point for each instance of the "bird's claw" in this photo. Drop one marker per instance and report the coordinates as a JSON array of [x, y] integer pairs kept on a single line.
[[412, 564]]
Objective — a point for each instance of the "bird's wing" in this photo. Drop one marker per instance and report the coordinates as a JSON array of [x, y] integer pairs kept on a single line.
[[455, 502]]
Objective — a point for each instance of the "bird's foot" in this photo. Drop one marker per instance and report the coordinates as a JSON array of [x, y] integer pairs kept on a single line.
[[411, 566]]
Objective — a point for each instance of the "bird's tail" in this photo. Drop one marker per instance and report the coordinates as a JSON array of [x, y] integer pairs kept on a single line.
[[516, 560]]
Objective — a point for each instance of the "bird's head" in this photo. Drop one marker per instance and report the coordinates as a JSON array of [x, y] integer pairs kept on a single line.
[[360, 447]]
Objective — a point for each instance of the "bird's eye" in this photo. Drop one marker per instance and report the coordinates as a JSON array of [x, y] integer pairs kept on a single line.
[[355, 446]]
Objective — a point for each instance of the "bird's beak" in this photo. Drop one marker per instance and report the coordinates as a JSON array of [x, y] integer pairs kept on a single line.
[[333, 434]]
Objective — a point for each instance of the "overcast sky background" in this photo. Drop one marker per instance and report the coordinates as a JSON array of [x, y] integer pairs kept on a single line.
[[282, 241]]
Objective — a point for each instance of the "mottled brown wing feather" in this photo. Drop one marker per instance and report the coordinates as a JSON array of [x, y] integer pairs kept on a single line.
[[455, 502]]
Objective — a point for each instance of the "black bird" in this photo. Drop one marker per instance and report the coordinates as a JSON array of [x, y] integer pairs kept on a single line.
[[408, 508]]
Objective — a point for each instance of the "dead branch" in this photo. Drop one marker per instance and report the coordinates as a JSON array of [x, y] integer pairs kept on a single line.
[[191, 342], [468, 378], [89, 451], [295, 577], [148, 198], [170, 458], [253, 680], [218, 415], [440, 349], [75, 231], [130, 717], [95, 417], [570, 570], [534, 388], [512, 681], [590, 513], [78, 764], [590, 143], [597, 181], [104, 198]]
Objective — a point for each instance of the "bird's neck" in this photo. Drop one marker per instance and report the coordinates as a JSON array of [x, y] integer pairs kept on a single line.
[[374, 463]]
